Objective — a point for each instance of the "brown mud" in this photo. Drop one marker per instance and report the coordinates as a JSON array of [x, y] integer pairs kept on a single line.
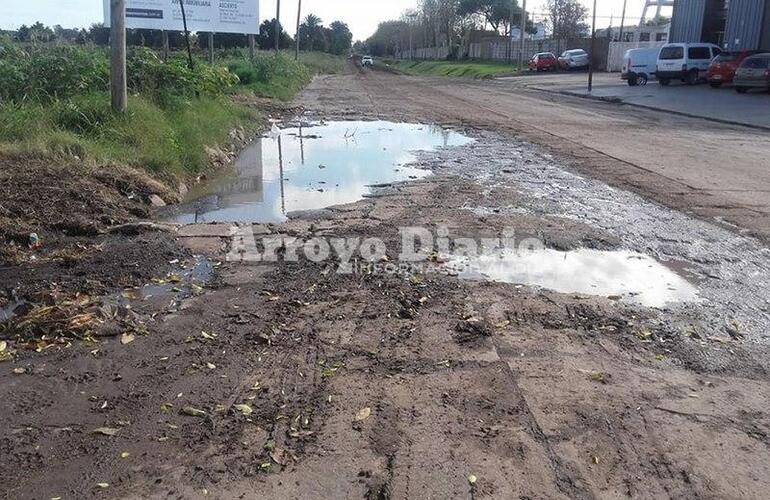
[[290, 380]]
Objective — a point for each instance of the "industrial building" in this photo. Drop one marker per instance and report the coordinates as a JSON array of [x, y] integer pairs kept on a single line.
[[731, 24]]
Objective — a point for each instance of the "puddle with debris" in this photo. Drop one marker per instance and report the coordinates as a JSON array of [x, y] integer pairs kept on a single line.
[[313, 167], [623, 275], [188, 281]]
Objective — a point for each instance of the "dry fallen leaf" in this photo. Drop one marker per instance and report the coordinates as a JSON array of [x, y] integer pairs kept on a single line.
[[211, 366], [105, 431], [244, 409], [3, 345], [472, 479], [125, 454], [103, 486], [19, 371], [363, 414], [127, 338], [193, 412]]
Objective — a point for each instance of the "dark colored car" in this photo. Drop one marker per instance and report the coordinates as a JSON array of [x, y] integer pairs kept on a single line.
[[544, 61], [722, 69], [753, 73]]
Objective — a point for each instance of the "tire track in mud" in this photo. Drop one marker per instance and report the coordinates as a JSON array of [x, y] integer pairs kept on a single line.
[[568, 480]]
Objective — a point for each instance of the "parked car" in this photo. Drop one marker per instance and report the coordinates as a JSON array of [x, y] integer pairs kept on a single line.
[[753, 73], [544, 61], [639, 65], [722, 69], [367, 61], [573, 59], [687, 62]]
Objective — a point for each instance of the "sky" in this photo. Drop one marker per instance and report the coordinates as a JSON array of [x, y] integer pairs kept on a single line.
[[361, 15]]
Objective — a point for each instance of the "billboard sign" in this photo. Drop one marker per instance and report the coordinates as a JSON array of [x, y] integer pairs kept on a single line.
[[218, 16]]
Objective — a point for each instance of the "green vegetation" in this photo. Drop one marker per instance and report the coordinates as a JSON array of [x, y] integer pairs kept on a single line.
[[54, 101], [270, 75], [468, 69]]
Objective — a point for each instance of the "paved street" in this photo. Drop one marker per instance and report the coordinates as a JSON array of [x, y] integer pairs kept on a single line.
[[720, 104]]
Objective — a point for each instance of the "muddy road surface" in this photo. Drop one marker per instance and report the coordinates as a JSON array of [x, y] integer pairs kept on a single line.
[[256, 377]]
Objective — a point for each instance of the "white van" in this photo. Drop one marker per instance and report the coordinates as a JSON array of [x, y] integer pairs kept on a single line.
[[687, 62], [639, 65]]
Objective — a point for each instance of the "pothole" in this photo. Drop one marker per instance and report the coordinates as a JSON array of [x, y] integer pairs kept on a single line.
[[309, 168], [620, 275]]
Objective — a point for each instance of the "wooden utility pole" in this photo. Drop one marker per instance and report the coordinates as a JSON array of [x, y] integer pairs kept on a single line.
[[278, 26], [166, 47], [299, 20], [252, 47], [118, 55], [523, 30], [591, 55], [211, 47], [622, 22]]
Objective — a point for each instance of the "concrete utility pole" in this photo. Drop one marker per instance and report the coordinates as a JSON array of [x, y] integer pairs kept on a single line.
[[622, 21], [299, 21], [523, 29], [211, 47], [252, 47], [278, 26], [118, 55], [591, 55]]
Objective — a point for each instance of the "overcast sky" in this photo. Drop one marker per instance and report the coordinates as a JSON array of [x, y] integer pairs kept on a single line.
[[361, 15]]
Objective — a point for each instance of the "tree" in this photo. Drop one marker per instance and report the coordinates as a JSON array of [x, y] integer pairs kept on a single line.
[[98, 34], [312, 35], [495, 12], [340, 38], [567, 19], [266, 37], [390, 37]]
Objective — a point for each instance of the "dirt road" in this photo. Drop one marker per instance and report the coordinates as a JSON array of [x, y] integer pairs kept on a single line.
[[290, 380], [716, 171]]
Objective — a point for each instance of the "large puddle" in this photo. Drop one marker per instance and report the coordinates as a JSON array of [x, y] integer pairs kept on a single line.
[[308, 168], [619, 274]]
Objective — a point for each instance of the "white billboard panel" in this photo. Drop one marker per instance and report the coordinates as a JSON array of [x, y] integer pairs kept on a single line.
[[219, 16]]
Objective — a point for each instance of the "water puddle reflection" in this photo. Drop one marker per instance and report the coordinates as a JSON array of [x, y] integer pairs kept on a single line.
[[619, 274], [308, 168]]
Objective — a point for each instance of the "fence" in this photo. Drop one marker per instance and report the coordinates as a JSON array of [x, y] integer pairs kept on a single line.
[[437, 53], [617, 49], [506, 49]]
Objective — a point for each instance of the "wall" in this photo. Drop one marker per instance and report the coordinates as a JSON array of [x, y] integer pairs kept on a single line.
[[764, 42], [687, 21], [744, 24]]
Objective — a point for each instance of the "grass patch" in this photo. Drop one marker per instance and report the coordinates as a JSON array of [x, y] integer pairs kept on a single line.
[[167, 140], [54, 102], [321, 63], [466, 69], [270, 75]]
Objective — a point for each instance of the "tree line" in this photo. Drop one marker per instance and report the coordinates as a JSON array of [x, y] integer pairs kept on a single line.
[[314, 36], [450, 23]]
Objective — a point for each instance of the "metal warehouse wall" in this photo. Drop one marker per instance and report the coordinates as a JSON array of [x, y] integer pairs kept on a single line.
[[764, 43], [687, 21], [745, 21]]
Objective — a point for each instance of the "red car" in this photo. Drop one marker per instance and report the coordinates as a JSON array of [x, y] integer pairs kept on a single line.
[[722, 69], [544, 61]]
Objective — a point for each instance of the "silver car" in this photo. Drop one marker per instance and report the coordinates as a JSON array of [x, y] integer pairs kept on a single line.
[[574, 59], [753, 73]]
